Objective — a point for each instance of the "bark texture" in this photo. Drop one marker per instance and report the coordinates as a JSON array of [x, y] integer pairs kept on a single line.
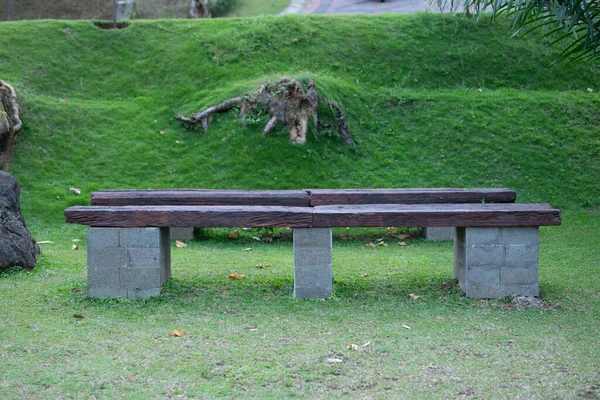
[[200, 9], [10, 123], [286, 101]]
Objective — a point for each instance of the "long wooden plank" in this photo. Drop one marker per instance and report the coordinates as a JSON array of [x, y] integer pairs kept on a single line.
[[184, 216], [201, 197], [462, 215], [323, 197]]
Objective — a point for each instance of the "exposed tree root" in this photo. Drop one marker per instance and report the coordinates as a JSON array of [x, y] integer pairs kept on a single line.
[[286, 101]]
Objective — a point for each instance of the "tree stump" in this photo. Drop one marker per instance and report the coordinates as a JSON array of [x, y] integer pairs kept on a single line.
[[286, 101], [10, 123], [200, 9]]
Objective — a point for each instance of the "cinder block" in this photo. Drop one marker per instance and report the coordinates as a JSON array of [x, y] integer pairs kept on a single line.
[[521, 235], [522, 255], [460, 234], [111, 291], [103, 277], [100, 238], [439, 234], [107, 257], [313, 292], [312, 237], [484, 255], [306, 277], [511, 275], [142, 237], [144, 258], [181, 233], [486, 275], [483, 236], [522, 290], [483, 291], [143, 278], [312, 257], [142, 293]]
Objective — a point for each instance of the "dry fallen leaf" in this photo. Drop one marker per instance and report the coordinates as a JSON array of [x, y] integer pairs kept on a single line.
[[78, 316], [259, 265], [352, 346], [267, 239], [234, 235], [413, 296], [75, 247], [382, 243], [180, 244], [365, 275], [333, 361], [177, 333], [248, 249], [162, 132], [404, 236], [75, 191], [402, 244], [235, 275], [370, 245]]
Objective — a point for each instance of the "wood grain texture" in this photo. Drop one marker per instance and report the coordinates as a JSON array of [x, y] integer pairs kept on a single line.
[[323, 197], [185, 216], [201, 197], [433, 215]]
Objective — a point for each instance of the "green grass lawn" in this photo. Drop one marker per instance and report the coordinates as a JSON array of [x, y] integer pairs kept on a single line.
[[431, 101]]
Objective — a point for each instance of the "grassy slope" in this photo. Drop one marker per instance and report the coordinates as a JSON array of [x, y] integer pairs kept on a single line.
[[94, 104], [95, 101]]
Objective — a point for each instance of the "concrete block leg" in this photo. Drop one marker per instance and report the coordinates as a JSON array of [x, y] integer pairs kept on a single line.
[[439, 234], [128, 262], [497, 262], [312, 263], [178, 233]]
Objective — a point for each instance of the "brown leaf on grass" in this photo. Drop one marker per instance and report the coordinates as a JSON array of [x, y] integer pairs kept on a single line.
[[180, 244], [391, 231], [234, 235], [177, 333], [78, 316], [75, 191], [402, 244], [404, 236], [235, 275], [370, 244], [413, 296], [75, 247], [382, 244], [267, 239], [365, 275]]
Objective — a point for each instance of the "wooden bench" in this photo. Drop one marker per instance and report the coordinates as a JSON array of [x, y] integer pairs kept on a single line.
[[496, 246], [304, 198]]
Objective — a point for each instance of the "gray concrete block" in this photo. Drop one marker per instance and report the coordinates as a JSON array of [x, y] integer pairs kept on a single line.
[[142, 237], [308, 277], [144, 258], [522, 290], [510, 275], [484, 255], [483, 291], [522, 255], [108, 257], [103, 277], [111, 291], [521, 235], [312, 237], [312, 257], [142, 293], [439, 234], [487, 275], [315, 292], [100, 238], [181, 233], [483, 236], [460, 234], [143, 278]]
